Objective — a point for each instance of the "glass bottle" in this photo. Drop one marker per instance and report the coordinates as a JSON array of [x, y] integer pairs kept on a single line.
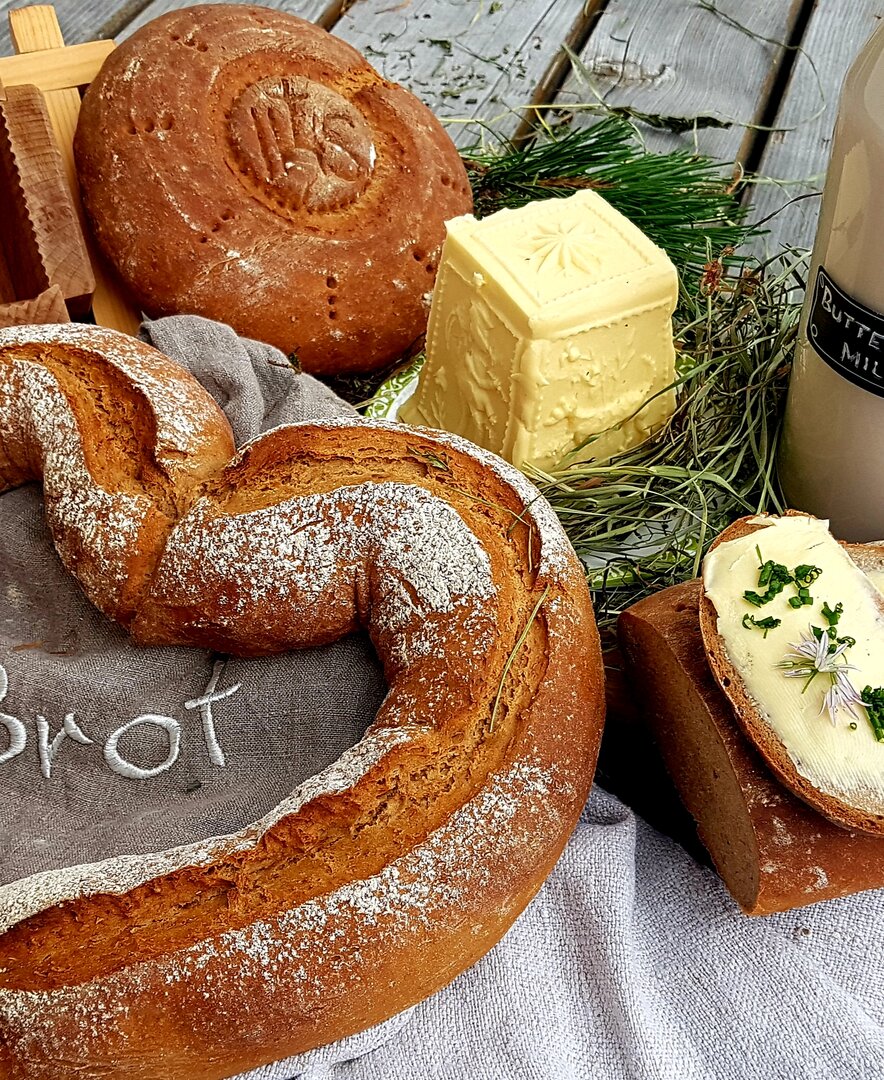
[[831, 460]]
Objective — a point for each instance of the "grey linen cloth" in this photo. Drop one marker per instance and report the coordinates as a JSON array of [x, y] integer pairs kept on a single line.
[[632, 962]]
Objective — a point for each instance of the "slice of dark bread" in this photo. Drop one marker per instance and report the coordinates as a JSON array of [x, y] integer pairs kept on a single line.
[[837, 807], [773, 851]]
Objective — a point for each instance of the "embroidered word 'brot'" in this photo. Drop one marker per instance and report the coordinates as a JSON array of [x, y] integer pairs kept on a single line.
[[48, 747]]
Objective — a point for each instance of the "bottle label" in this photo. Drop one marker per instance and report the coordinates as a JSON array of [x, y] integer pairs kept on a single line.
[[847, 335]]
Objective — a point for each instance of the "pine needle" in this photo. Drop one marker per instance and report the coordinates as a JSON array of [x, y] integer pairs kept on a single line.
[[679, 199], [512, 656]]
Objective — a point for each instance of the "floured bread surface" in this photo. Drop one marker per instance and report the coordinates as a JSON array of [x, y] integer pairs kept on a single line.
[[243, 164], [122, 438], [378, 880], [798, 698]]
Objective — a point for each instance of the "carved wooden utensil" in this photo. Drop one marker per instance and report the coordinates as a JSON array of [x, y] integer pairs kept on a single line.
[[48, 307], [42, 246]]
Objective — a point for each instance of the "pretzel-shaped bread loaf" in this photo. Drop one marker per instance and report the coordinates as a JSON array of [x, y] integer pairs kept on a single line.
[[378, 880]]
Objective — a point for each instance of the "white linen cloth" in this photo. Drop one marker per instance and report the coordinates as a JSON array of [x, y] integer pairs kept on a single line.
[[632, 963]]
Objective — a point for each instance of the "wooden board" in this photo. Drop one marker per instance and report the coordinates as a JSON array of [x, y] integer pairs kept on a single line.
[[796, 157], [72, 67], [307, 9], [40, 234], [467, 61], [47, 307], [680, 59]]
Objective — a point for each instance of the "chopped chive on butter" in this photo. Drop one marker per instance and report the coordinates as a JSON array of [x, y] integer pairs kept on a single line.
[[832, 617], [766, 624], [773, 577], [806, 575], [873, 700]]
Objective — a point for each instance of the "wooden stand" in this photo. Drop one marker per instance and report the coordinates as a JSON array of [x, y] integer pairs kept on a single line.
[[40, 237], [47, 307], [59, 71]]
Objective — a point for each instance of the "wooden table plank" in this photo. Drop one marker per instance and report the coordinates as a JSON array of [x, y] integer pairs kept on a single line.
[[681, 59], [79, 21], [466, 59], [796, 158], [307, 9]]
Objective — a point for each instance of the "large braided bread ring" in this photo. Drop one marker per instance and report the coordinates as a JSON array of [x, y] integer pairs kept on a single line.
[[380, 879]]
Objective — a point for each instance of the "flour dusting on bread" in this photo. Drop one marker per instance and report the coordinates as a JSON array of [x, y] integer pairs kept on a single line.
[[83, 517], [399, 865], [295, 952], [181, 416]]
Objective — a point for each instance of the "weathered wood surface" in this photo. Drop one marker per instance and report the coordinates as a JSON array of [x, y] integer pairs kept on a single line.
[[466, 59], [307, 9], [469, 60], [795, 159], [79, 21], [686, 60]]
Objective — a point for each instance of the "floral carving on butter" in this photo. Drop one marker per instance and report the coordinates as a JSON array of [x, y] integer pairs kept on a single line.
[[562, 247]]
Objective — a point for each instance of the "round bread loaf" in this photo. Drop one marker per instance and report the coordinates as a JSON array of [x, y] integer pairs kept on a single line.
[[243, 164], [378, 880]]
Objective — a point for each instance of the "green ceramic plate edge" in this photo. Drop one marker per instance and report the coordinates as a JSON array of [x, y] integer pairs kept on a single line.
[[392, 394]]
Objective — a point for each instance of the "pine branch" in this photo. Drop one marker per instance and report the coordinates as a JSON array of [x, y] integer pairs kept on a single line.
[[680, 200]]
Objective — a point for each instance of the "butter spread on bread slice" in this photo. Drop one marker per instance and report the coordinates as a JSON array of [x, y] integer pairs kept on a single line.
[[779, 644]]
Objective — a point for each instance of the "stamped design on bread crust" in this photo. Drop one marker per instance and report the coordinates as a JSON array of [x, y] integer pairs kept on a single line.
[[307, 147]]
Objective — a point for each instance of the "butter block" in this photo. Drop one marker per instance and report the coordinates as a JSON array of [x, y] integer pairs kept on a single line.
[[549, 324]]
